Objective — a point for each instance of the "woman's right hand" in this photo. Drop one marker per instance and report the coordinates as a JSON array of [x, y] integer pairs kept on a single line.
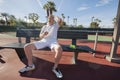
[[45, 33]]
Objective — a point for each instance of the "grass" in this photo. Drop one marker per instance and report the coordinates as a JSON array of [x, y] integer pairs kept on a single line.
[[100, 38]]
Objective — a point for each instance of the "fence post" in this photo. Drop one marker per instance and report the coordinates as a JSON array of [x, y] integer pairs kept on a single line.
[[95, 43], [96, 40]]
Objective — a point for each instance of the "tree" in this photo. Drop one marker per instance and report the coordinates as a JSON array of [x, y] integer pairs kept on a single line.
[[95, 22], [114, 20], [12, 20], [92, 19], [52, 7], [63, 17], [49, 7], [80, 26], [75, 21], [46, 7], [34, 17], [5, 15], [94, 25], [68, 19], [20, 22], [2, 22]]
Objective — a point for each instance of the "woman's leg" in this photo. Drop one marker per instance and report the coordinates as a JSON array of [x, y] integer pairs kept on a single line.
[[28, 52], [58, 54]]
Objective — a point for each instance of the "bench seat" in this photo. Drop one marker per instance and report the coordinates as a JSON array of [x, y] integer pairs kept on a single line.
[[19, 48]]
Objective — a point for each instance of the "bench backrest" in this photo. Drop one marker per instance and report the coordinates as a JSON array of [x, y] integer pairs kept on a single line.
[[65, 34]]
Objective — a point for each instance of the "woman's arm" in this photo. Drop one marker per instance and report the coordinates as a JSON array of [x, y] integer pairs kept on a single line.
[[42, 35], [42, 32], [58, 20]]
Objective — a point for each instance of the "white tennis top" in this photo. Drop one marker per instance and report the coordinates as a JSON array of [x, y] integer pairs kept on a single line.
[[52, 32]]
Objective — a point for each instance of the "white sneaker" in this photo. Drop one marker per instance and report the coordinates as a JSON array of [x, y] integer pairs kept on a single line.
[[27, 68], [57, 73]]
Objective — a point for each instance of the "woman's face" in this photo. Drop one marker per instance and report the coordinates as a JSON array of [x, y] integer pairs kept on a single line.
[[51, 19]]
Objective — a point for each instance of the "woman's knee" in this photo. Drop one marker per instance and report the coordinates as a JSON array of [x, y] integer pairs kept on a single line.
[[29, 46], [58, 48]]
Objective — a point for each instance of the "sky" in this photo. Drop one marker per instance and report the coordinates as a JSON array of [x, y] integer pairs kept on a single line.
[[83, 10]]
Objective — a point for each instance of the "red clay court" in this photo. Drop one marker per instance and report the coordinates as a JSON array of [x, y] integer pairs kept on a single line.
[[87, 67]]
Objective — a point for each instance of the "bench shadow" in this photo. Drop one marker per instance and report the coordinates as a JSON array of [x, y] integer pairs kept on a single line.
[[0, 56], [83, 70], [100, 54], [1, 60]]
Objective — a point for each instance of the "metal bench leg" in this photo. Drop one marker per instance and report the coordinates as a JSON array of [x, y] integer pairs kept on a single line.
[[75, 55], [20, 53]]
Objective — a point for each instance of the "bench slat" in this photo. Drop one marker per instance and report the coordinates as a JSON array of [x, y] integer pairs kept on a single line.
[[66, 34], [67, 48], [14, 45]]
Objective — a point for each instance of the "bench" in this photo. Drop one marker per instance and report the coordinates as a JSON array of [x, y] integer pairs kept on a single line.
[[74, 35]]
